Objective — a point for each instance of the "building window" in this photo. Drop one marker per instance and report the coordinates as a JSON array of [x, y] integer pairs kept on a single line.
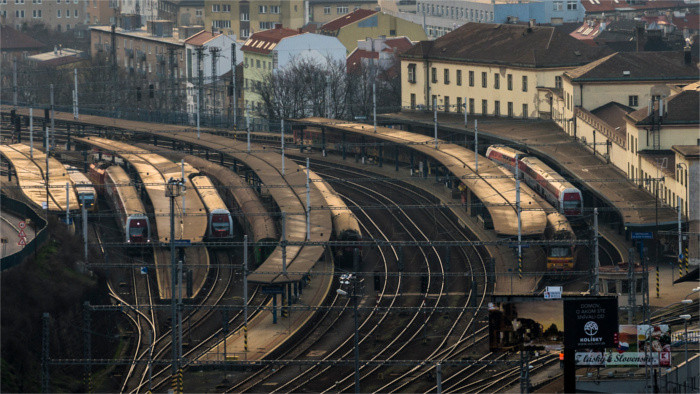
[[447, 76], [342, 10], [558, 5], [222, 24], [326, 10], [413, 101], [58, 13], [447, 104], [496, 81], [274, 9], [245, 17], [75, 13], [434, 75], [525, 113], [471, 105], [484, 107], [226, 8], [459, 77], [557, 82], [471, 78], [215, 8], [262, 9], [257, 63], [412, 73], [198, 12], [497, 108], [459, 105], [266, 25], [634, 101], [524, 83], [571, 5]]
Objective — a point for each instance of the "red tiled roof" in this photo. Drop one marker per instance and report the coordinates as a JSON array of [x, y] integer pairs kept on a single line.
[[586, 32], [597, 6], [12, 39], [345, 20], [399, 44], [354, 60], [690, 22], [201, 38], [264, 41]]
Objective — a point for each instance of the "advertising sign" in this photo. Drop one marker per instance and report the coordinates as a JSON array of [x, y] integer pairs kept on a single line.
[[590, 322], [528, 323], [552, 293], [632, 349], [637, 359]]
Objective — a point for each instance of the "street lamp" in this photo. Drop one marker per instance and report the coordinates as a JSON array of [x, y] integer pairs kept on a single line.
[[173, 189]]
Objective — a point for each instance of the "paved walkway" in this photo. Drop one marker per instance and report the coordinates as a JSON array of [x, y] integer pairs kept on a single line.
[[505, 262], [548, 141], [265, 337], [9, 230]]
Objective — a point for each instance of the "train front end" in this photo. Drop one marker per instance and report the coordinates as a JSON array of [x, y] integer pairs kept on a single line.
[[137, 230]]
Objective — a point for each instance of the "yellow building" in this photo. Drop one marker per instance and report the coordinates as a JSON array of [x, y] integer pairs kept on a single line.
[[496, 68], [364, 23], [244, 18], [324, 11]]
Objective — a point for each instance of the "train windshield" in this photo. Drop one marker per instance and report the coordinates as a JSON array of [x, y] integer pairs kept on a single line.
[[220, 224], [560, 252], [88, 199], [137, 229]]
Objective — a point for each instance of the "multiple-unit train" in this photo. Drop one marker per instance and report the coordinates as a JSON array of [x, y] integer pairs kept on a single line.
[[559, 257], [540, 177], [220, 223], [122, 195], [87, 195]]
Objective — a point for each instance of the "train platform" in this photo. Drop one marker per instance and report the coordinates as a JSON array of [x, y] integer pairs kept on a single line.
[[30, 170], [504, 258], [635, 206], [191, 218], [265, 337], [487, 184]]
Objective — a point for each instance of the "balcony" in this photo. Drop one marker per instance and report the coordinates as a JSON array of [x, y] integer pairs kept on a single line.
[[160, 58], [141, 55], [129, 53]]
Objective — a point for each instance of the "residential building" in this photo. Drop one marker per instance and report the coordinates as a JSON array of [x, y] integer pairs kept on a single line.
[[324, 11], [59, 58], [630, 8], [60, 15], [244, 18], [629, 78], [382, 52], [440, 17], [209, 53], [16, 45], [274, 49], [101, 12], [493, 69], [363, 23], [182, 12], [147, 9]]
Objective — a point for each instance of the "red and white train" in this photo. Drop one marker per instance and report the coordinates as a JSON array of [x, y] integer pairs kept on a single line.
[[541, 178], [116, 185]]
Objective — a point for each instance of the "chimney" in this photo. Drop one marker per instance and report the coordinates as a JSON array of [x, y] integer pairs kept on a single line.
[[687, 56]]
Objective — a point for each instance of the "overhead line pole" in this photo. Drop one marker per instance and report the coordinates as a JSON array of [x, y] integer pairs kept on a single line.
[[517, 209], [308, 201], [476, 145]]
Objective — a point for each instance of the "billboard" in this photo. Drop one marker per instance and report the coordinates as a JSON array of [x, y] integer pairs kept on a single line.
[[533, 322], [631, 351], [590, 322]]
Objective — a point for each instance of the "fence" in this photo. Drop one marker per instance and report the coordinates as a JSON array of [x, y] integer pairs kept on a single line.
[[24, 211]]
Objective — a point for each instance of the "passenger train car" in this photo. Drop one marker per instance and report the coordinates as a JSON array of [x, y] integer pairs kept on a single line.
[[220, 223], [541, 178], [559, 257], [122, 195], [83, 188]]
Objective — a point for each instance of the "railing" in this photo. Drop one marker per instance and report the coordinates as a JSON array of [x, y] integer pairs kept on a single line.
[[24, 211], [601, 126]]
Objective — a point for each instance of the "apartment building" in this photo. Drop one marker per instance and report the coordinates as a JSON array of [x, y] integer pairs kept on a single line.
[[274, 49], [492, 69], [324, 11], [16, 45], [363, 23], [60, 15], [182, 12], [244, 18]]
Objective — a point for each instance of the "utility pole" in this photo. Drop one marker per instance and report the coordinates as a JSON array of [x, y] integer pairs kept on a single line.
[[680, 241], [308, 201], [215, 78], [14, 83], [374, 103], [67, 202], [198, 114], [465, 113], [75, 94], [31, 132], [85, 232], [284, 243], [247, 126], [113, 63], [476, 146], [596, 257], [233, 85], [46, 174], [435, 123], [200, 70], [245, 293], [282, 132], [53, 124], [356, 269], [632, 298], [517, 210]]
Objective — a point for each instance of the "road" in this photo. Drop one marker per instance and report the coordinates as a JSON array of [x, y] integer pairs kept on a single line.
[[9, 231]]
